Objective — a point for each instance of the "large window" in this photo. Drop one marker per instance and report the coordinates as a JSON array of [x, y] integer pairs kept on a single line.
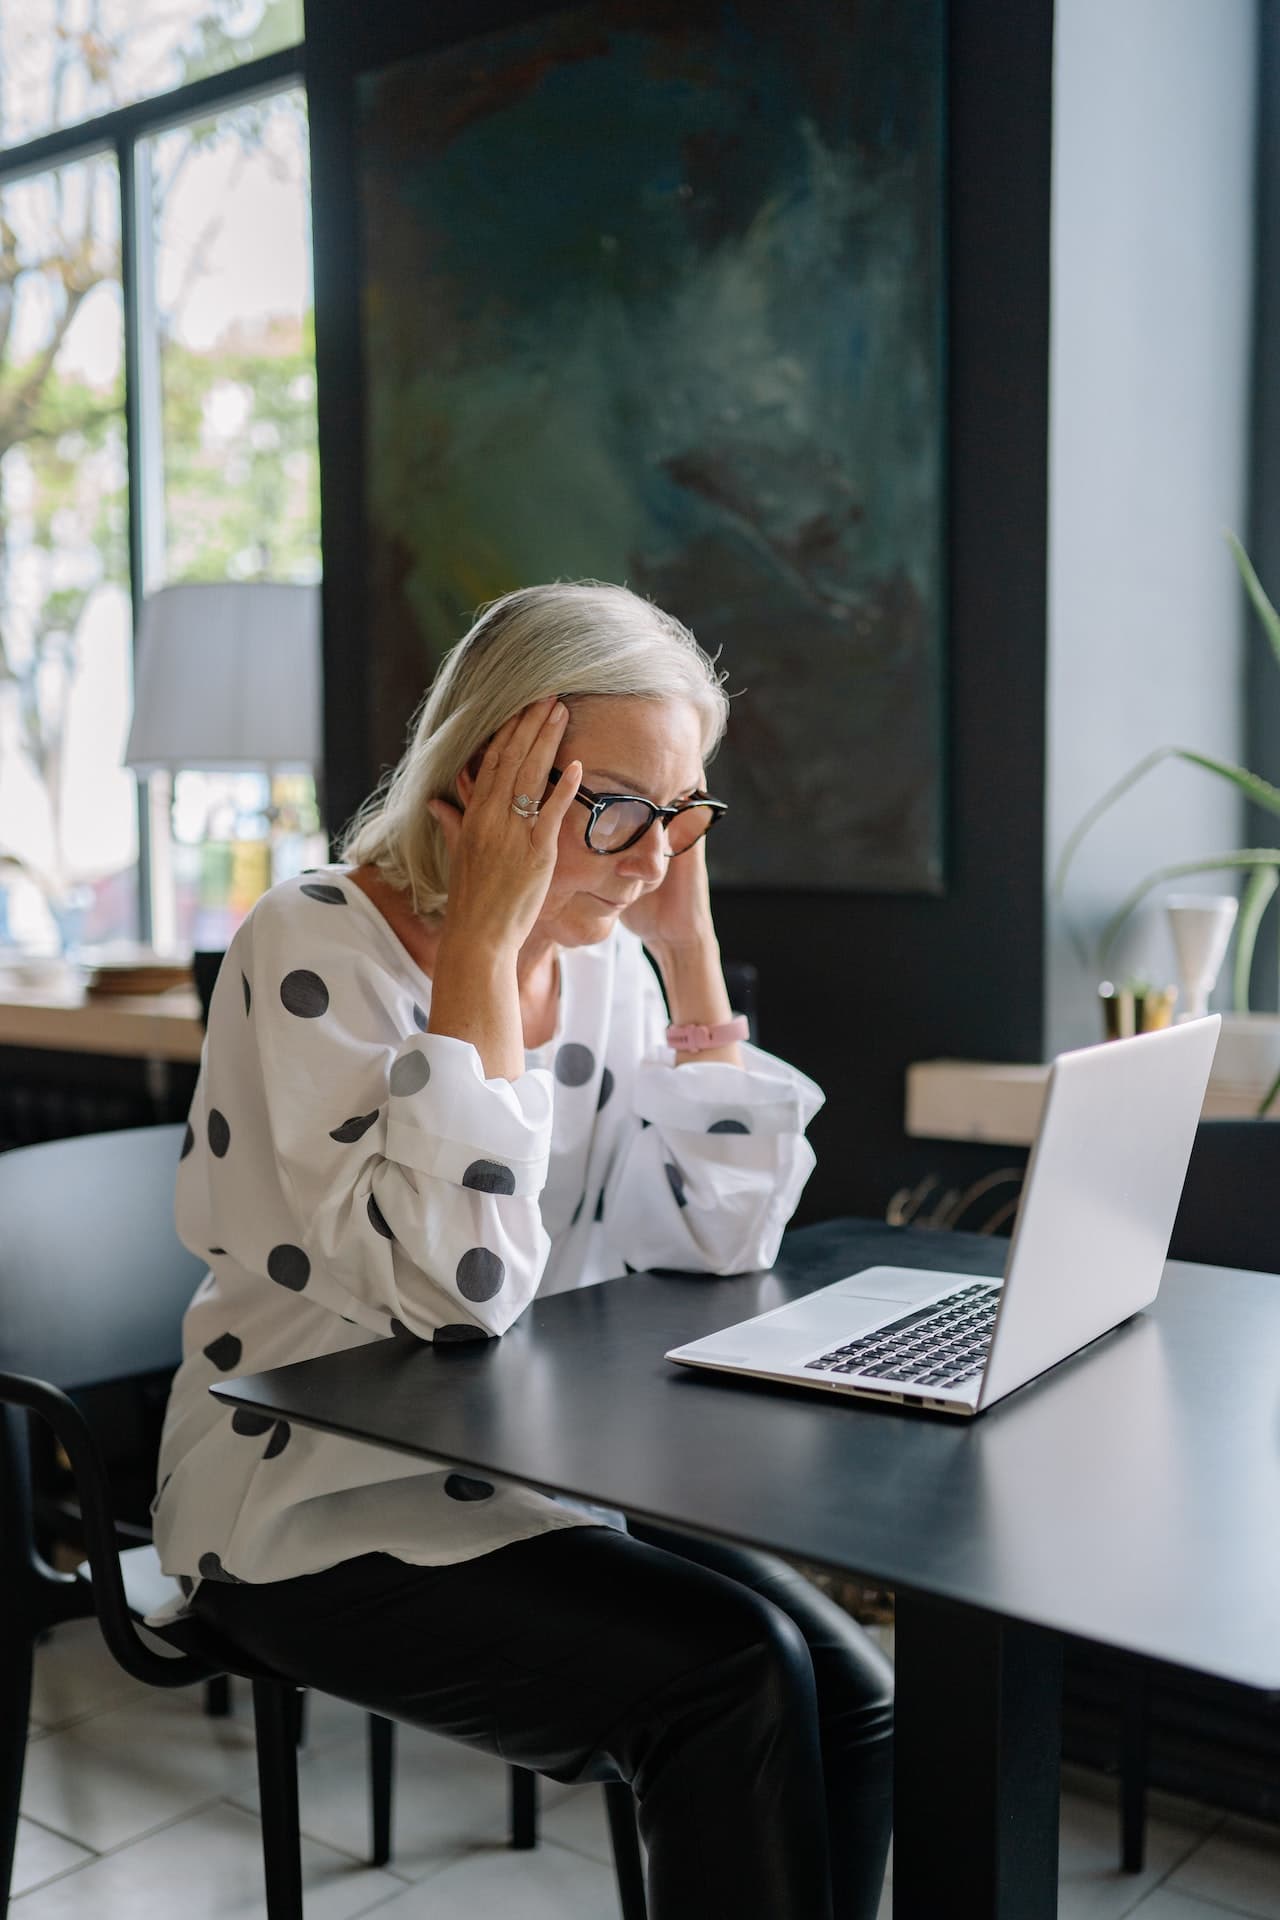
[[63, 62], [67, 807], [157, 424]]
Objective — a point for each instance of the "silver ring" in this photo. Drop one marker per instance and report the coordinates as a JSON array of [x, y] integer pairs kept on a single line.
[[523, 805]]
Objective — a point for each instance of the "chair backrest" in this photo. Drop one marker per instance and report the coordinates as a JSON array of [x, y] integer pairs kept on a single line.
[[206, 964], [1229, 1215], [93, 1278]]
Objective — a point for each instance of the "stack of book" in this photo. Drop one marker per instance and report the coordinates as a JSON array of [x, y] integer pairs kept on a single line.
[[126, 969]]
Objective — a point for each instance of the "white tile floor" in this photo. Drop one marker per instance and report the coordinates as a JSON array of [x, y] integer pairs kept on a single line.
[[137, 1807]]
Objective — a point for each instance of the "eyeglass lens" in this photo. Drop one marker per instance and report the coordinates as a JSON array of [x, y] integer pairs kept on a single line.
[[621, 820]]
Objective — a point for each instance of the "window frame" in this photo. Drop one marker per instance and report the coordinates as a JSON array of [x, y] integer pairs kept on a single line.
[[123, 132]]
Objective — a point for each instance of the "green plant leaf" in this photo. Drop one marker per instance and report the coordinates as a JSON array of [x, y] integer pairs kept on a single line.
[[1212, 863], [1263, 882], [1253, 587], [1267, 1098], [1259, 791]]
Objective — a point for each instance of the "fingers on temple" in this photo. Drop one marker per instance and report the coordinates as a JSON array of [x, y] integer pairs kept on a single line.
[[541, 749], [559, 800], [511, 744]]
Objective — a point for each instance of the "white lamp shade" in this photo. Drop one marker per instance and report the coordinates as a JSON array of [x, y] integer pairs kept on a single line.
[[227, 676]]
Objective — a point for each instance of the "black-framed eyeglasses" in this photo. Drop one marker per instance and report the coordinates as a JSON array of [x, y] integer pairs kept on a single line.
[[618, 820]]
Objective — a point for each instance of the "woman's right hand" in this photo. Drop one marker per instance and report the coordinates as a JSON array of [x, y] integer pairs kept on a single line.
[[500, 865]]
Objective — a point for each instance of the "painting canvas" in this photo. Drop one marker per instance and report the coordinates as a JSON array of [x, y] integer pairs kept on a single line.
[[653, 293]]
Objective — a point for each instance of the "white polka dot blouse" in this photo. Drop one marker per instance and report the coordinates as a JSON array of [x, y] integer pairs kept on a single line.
[[351, 1177]]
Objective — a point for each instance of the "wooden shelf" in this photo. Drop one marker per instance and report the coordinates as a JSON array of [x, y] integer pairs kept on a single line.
[[998, 1103]]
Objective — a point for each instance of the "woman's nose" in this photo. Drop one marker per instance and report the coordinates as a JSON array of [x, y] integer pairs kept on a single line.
[[647, 860]]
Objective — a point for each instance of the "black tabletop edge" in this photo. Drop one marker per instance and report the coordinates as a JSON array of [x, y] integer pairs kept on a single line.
[[260, 1391]]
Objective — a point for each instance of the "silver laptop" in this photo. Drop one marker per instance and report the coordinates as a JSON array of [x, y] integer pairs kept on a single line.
[[1102, 1188]]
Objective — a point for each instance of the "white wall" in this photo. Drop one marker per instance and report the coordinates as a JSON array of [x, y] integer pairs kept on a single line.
[[1151, 297]]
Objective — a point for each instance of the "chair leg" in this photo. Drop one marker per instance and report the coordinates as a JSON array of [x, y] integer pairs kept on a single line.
[[15, 1707], [382, 1748], [217, 1696], [300, 1717], [524, 1807], [274, 1724], [1134, 1729], [627, 1865]]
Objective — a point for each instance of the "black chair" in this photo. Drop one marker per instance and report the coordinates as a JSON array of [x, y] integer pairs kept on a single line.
[[93, 1282], [206, 964], [1227, 1217]]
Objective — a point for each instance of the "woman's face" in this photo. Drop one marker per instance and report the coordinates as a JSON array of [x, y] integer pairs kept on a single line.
[[652, 748]]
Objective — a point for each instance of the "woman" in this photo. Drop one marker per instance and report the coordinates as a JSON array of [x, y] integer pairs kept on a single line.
[[440, 1079]]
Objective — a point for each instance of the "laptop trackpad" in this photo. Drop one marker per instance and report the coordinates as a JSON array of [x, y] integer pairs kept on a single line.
[[906, 1284]]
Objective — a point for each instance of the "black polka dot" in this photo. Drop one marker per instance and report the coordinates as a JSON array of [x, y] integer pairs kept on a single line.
[[210, 1567], [480, 1274], [219, 1133], [459, 1333], [304, 993], [245, 1420], [217, 1250], [410, 1074], [377, 1219], [675, 1180], [406, 1335], [224, 1352], [187, 1585], [280, 1437], [606, 1088], [599, 1212], [327, 895], [575, 1064], [419, 1018], [248, 997], [188, 1141], [489, 1176], [460, 1486], [577, 1212], [645, 1123], [353, 1129], [728, 1126], [289, 1267]]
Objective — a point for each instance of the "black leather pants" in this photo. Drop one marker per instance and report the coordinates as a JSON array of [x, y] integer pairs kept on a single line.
[[751, 1716]]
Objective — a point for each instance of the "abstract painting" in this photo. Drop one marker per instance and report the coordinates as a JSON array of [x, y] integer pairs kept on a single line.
[[654, 293]]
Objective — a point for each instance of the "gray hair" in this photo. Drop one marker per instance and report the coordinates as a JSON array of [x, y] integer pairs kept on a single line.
[[577, 638]]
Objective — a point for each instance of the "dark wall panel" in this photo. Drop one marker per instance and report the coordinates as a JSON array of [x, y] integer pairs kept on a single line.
[[852, 987]]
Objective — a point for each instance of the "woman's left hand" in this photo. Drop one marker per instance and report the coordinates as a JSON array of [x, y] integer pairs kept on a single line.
[[676, 914]]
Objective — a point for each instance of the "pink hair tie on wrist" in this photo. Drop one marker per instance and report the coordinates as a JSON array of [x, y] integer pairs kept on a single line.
[[696, 1039]]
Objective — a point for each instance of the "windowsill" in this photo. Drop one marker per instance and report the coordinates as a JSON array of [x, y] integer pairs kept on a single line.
[[163, 1026]]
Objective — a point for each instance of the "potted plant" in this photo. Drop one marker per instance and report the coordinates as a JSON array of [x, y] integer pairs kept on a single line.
[[1261, 865]]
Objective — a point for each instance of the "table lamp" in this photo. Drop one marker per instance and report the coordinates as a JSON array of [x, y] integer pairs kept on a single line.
[[227, 677]]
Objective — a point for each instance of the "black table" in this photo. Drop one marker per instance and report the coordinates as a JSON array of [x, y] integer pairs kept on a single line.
[[1131, 1498]]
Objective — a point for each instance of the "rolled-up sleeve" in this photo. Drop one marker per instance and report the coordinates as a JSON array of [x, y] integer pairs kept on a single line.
[[711, 1174]]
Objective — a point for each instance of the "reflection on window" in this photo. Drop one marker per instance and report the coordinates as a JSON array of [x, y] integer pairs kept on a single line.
[[65, 61], [67, 815]]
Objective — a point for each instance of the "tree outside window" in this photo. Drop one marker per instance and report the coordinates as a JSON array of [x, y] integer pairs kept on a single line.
[[228, 456]]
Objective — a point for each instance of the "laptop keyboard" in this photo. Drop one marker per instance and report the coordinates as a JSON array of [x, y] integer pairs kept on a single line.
[[940, 1345]]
